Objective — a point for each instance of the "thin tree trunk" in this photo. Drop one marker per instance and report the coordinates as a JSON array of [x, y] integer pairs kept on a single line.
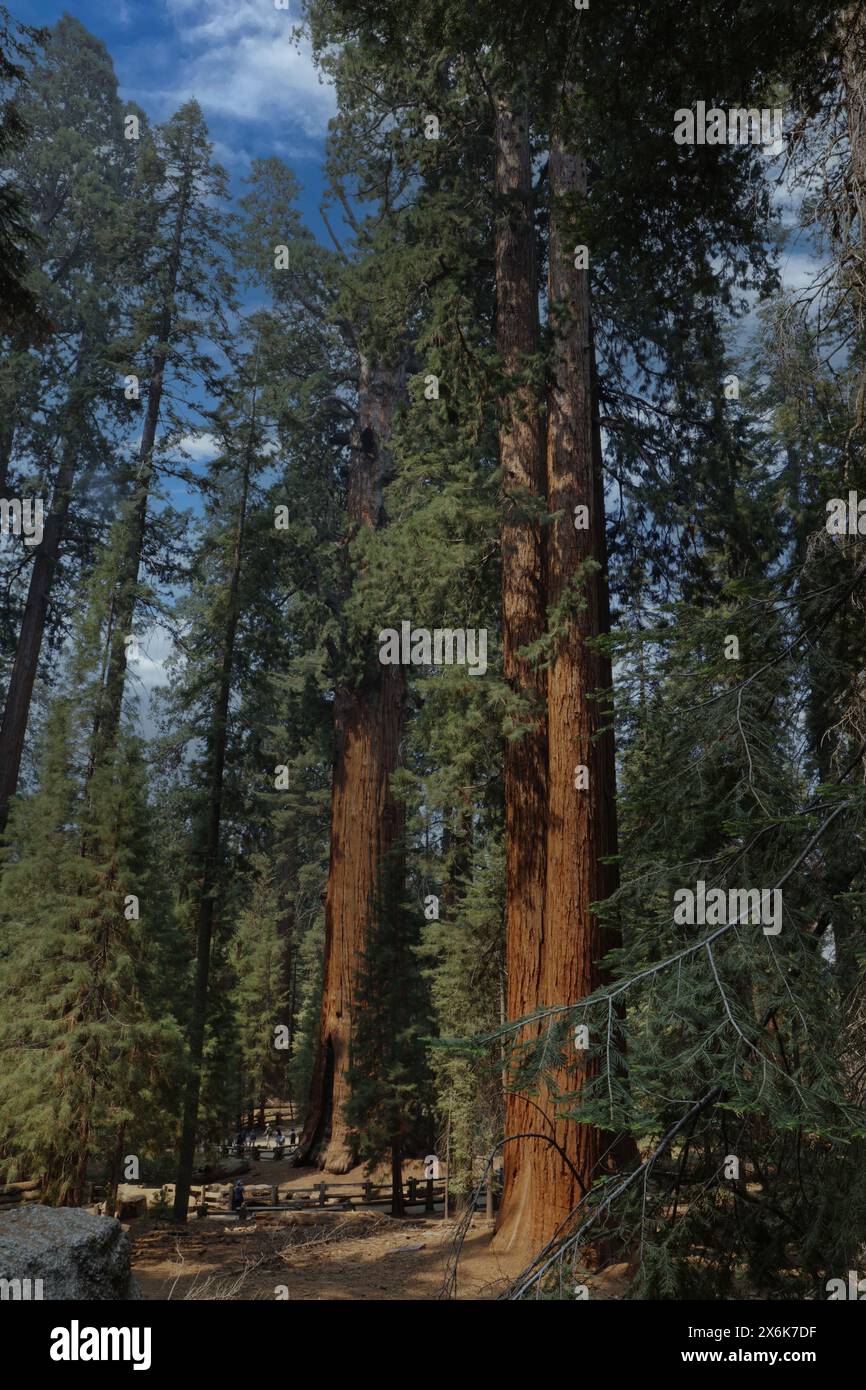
[[114, 1174], [286, 933], [16, 712], [210, 850], [126, 591], [365, 819], [7, 439], [397, 1207], [523, 619], [854, 96], [74, 1196]]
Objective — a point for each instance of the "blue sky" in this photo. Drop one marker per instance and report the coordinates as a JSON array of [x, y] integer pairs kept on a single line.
[[260, 94], [257, 86]]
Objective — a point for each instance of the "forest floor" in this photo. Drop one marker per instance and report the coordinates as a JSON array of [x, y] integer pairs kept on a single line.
[[363, 1255], [359, 1255]]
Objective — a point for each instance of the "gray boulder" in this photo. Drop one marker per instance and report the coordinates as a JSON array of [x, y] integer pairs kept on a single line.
[[75, 1254]]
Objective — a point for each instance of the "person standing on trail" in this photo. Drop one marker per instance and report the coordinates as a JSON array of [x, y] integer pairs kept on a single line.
[[238, 1195]]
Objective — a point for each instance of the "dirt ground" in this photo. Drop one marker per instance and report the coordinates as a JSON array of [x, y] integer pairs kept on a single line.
[[350, 1255], [359, 1255], [363, 1255]]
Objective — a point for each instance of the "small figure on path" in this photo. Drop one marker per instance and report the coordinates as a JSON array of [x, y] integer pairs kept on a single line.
[[292, 1137], [238, 1195]]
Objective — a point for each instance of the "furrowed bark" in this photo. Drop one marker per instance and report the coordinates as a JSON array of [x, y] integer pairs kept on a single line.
[[582, 825], [521, 450], [581, 828], [365, 819]]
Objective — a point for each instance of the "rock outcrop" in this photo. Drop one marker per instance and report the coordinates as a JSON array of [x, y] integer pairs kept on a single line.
[[75, 1254]]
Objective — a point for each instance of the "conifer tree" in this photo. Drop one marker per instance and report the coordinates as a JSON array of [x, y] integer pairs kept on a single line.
[[367, 703], [216, 657], [20, 313], [260, 995], [76, 144], [387, 1074], [185, 297], [86, 939]]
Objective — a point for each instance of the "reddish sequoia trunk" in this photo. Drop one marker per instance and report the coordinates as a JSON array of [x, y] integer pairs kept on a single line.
[[523, 619], [581, 823], [365, 819], [581, 827]]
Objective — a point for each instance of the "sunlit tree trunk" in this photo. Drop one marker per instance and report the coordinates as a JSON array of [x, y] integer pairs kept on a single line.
[[365, 819]]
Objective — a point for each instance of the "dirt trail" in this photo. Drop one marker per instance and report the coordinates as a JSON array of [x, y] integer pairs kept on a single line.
[[346, 1255], [363, 1255], [318, 1254]]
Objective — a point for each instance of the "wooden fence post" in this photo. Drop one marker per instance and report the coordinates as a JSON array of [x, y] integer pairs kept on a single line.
[[447, 1162]]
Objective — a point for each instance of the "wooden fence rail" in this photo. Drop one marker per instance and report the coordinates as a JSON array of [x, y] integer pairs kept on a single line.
[[14, 1193], [416, 1192]]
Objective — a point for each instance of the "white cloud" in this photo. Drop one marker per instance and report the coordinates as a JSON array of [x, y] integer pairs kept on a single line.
[[799, 270], [199, 447], [244, 62], [149, 673], [231, 156]]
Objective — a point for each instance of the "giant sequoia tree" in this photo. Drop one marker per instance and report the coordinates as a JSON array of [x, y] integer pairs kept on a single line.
[[365, 819], [511, 389]]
